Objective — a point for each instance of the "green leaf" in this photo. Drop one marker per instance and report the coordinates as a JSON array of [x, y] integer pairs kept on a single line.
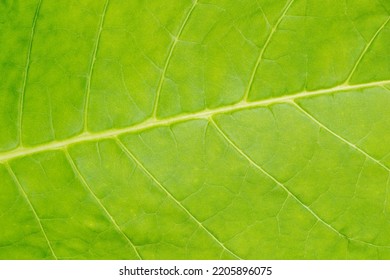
[[200, 129]]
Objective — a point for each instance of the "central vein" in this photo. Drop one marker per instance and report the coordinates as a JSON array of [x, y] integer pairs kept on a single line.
[[150, 123]]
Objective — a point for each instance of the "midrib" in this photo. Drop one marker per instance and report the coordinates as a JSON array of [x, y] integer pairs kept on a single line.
[[150, 123]]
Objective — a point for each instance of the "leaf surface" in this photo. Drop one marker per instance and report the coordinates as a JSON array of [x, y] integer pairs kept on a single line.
[[212, 129]]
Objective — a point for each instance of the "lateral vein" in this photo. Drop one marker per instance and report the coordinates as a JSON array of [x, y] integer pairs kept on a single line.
[[320, 124], [261, 54], [92, 65], [276, 181], [26, 71], [170, 195], [252, 162], [24, 194], [109, 216], [168, 58], [368, 45]]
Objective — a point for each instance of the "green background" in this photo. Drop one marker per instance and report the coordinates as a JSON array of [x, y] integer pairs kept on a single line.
[[211, 129]]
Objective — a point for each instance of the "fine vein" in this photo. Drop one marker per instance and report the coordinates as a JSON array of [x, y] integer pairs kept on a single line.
[[168, 58], [320, 124], [26, 71], [92, 64], [170, 195], [109, 216], [24, 194], [87, 136]]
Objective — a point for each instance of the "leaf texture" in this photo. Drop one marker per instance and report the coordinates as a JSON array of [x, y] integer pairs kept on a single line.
[[203, 129]]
